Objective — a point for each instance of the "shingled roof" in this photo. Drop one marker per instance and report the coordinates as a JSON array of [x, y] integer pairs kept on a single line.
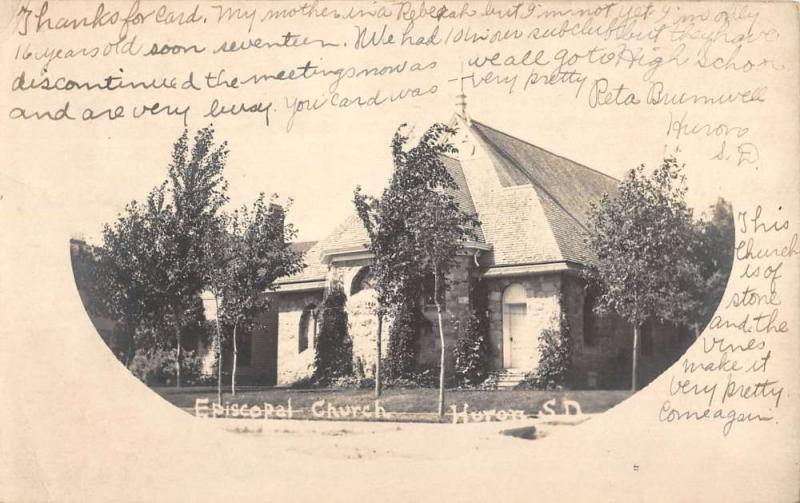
[[563, 188], [351, 235]]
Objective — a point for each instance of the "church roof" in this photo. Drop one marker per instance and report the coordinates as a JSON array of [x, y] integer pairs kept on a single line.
[[302, 246], [564, 190], [564, 187]]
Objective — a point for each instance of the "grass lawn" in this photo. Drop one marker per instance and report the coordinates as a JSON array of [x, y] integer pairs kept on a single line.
[[408, 404]]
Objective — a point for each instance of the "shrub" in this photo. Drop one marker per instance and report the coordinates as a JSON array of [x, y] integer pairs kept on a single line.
[[334, 348], [418, 378], [403, 350], [156, 367], [304, 383], [490, 383], [353, 382], [472, 351], [555, 358]]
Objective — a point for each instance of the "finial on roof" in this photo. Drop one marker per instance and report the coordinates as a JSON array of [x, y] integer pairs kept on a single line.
[[462, 98]]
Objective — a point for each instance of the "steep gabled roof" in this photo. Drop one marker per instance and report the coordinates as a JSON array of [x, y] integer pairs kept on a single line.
[[562, 193], [462, 195], [351, 235], [314, 270], [565, 188], [302, 246]]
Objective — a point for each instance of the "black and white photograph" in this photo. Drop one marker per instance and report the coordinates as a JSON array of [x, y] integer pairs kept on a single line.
[[394, 251]]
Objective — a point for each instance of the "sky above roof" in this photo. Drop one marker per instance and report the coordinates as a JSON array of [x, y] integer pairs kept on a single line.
[[326, 155], [320, 171]]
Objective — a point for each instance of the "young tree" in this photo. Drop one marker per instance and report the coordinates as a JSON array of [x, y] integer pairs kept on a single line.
[[644, 242], [392, 266], [383, 226], [436, 223], [333, 355], [416, 227], [198, 192], [245, 255]]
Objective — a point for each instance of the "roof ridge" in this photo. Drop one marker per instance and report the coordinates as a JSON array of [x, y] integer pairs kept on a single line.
[[544, 150], [558, 203]]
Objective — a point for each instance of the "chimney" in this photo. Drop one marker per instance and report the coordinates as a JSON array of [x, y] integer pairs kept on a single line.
[[277, 212]]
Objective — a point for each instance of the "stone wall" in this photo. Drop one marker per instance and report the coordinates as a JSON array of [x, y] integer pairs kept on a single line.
[[293, 365], [600, 361], [262, 367], [362, 323], [606, 363], [456, 310], [363, 329]]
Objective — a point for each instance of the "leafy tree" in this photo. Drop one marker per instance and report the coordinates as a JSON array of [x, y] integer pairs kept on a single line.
[[644, 240], [392, 268], [334, 348], [246, 252], [198, 191], [437, 225], [417, 227], [716, 237], [89, 279], [127, 283], [155, 251]]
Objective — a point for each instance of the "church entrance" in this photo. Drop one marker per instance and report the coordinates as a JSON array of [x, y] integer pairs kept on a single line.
[[516, 346]]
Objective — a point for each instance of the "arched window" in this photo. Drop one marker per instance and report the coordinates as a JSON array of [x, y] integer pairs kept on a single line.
[[308, 328], [361, 281], [514, 294]]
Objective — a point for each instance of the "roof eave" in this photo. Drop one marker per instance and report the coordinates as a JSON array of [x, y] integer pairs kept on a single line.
[[501, 271], [299, 286]]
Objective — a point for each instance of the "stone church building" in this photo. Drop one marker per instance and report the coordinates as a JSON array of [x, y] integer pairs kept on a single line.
[[525, 264], [523, 271]]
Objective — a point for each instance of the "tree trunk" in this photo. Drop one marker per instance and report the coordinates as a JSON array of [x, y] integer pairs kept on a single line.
[[378, 358], [235, 360], [441, 340], [179, 355], [219, 361], [130, 351], [635, 356], [441, 360]]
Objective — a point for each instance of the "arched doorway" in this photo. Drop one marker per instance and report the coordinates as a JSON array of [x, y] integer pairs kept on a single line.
[[517, 348], [362, 280]]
